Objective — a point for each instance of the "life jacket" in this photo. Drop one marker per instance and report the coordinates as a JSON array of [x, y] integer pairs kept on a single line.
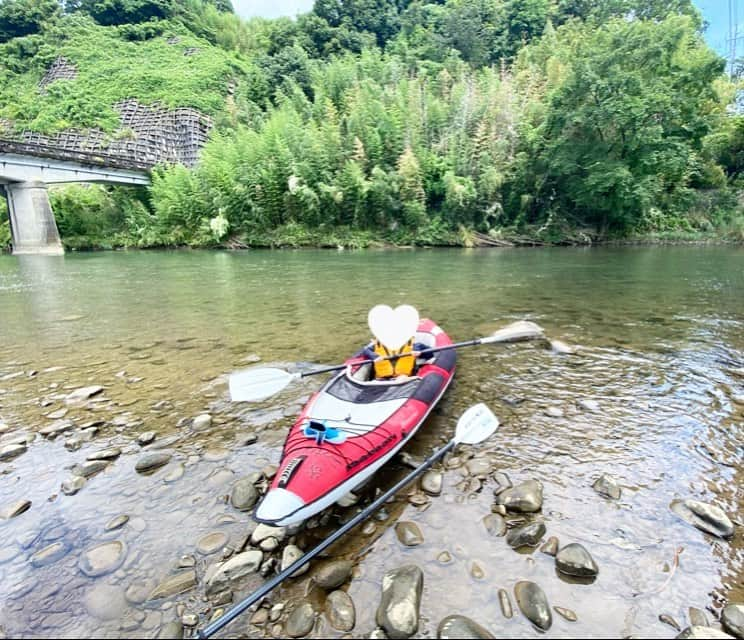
[[401, 365]]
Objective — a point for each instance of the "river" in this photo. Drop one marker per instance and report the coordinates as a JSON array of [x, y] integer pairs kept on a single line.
[[653, 395]]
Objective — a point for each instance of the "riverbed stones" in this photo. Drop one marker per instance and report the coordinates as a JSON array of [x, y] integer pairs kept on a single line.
[[575, 560], [290, 554], [495, 525], [408, 533], [172, 585], [201, 422], [110, 453], [116, 522], [300, 621], [89, 468], [151, 461], [699, 633], [237, 567], [502, 482], [49, 554], [333, 574], [264, 531], [698, 617], [551, 546], [339, 609], [479, 467], [51, 431], [553, 412], [592, 406], [211, 543], [526, 497], [732, 619], [10, 451], [79, 396], [243, 495], [533, 604], [526, 536], [456, 626], [171, 630], [176, 473], [566, 614], [105, 602], [705, 517], [72, 485], [431, 483], [505, 602], [15, 509], [143, 439], [606, 486], [398, 612], [102, 559]]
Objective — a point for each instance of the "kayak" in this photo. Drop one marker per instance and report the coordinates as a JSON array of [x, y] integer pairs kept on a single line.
[[350, 428]]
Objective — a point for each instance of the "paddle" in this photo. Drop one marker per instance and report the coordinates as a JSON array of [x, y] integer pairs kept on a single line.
[[474, 426], [251, 385]]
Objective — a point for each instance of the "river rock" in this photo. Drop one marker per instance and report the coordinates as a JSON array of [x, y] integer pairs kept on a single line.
[[51, 431], [457, 626], [533, 604], [15, 509], [211, 542], [566, 614], [204, 421], [89, 468], [705, 517], [49, 554], [243, 495], [145, 438], [300, 622], [667, 619], [106, 454], [116, 522], [175, 584], [233, 569], [526, 497], [431, 483], [698, 633], [528, 535], [561, 348], [10, 451], [79, 396], [102, 559], [495, 525], [333, 574], [71, 486], [339, 609], [553, 412], [408, 533], [698, 617], [505, 603], [263, 531], [152, 461], [502, 482], [172, 630], [290, 554], [733, 619], [589, 405], [398, 613], [479, 467], [551, 546], [606, 486], [575, 560], [176, 473]]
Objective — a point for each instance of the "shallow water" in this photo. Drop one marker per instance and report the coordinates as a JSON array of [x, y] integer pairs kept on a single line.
[[659, 338]]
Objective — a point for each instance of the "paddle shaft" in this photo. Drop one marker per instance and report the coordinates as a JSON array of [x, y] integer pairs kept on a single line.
[[362, 515], [339, 367]]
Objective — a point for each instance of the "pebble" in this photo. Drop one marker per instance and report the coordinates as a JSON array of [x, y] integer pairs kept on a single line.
[[398, 612], [733, 619], [248, 439], [705, 517], [339, 609], [561, 348], [71, 486], [457, 626], [79, 396], [11, 451], [290, 554], [176, 473], [667, 619], [502, 482], [575, 560], [15, 509], [211, 543], [73, 444], [152, 461], [51, 431], [606, 486], [263, 531], [495, 525], [408, 533], [332, 574], [300, 621], [175, 584], [695, 633], [145, 438], [479, 467], [244, 495], [116, 523], [49, 555], [698, 617], [203, 421], [477, 572], [171, 630], [102, 559], [566, 613], [526, 497], [553, 412], [505, 602], [90, 468], [551, 546], [240, 565], [589, 405], [431, 483], [106, 454], [445, 557], [528, 535], [533, 604], [260, 617]]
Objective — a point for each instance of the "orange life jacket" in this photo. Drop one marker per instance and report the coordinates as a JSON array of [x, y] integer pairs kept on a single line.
[[402, 365]]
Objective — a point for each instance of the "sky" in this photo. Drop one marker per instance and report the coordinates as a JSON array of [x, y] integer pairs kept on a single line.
[[715, 12]]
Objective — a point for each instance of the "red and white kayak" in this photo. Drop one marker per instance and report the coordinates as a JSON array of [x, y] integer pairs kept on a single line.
[[350, 428]]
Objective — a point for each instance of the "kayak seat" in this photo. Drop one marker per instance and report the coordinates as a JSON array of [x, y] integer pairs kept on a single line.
[[366, 392]]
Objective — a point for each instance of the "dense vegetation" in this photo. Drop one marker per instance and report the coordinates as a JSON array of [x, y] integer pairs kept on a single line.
[[436, 122]]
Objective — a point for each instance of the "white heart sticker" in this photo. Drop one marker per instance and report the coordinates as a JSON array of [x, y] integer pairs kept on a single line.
[[393, 328]]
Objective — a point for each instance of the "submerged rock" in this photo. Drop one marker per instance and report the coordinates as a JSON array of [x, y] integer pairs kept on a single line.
[[566, 614], [528, 535], [733, 619], [495, 524], [15, 509], [175, 584], [235, 568], [398, 613], [705, 517], [211, 542], [533, 604], [551, 546], [339, 609], [457, 626], [698, 617], [505, 602], [300, 622], [606, 486], [152, 461], [408, 533], [103, 558], [526, 497], [290, 554], [79, 396], [333, 574], [575, 560], [431, 483]]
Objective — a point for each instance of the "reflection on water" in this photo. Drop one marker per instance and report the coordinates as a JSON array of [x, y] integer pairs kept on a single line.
[[660, 344]]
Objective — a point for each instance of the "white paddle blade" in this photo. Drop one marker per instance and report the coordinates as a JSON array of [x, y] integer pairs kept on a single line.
[[475, 425], [252, 385], [516, 332]]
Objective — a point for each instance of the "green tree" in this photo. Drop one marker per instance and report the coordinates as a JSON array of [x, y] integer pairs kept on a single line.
[[25, 17]]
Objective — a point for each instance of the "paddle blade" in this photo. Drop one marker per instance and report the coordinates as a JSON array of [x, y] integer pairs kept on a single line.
[[252, 385], [475, 425], [516, 332]]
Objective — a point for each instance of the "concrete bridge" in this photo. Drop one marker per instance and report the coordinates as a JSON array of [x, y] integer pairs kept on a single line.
[[27, 169]]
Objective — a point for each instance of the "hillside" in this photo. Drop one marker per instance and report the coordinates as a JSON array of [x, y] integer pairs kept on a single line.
[[378, 121]]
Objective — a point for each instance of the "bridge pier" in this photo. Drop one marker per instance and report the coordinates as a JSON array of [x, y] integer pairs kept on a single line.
[[32, 225]]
